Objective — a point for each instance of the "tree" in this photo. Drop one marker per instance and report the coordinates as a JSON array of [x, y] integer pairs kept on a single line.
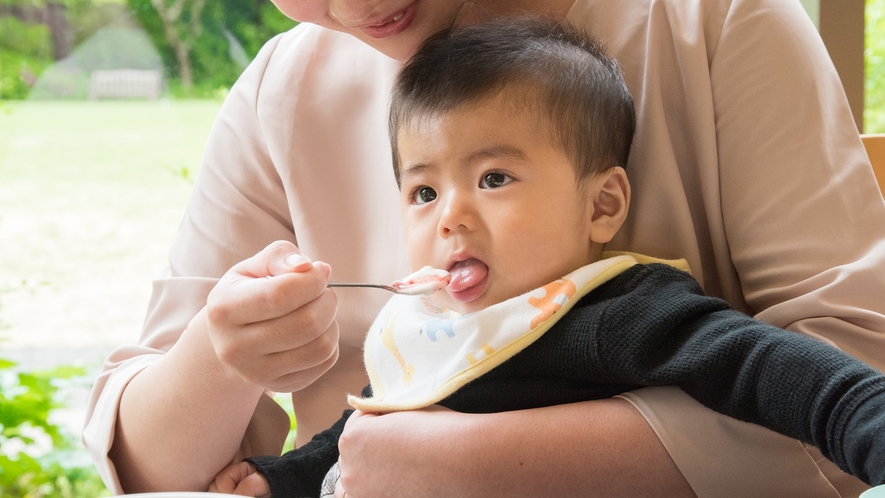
[[50, 13], [251, 23], [182, 26]]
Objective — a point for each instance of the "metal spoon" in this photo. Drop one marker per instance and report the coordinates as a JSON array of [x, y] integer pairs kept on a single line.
[[423, 282], [374, 286]]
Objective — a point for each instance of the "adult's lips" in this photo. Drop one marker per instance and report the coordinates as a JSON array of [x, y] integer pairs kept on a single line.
[[393, 24], [394, 18]]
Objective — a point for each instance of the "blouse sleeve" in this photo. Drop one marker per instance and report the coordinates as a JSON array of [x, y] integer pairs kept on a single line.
[[234, 211], [803, 233], [803, 216]]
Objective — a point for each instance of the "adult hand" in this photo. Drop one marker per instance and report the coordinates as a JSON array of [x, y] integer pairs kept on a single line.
[[404, 470], [565, 450], [241, 479], [271, 319]]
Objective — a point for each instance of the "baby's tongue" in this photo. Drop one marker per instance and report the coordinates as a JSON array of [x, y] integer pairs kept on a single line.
[[466, 274]]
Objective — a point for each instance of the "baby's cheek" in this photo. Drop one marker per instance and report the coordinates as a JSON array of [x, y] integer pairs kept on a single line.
[[420, 247]]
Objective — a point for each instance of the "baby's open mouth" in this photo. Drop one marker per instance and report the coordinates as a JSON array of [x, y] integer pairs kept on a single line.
[[467, 274]]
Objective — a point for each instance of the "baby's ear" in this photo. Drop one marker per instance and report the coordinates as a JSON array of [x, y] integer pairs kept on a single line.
[[610, 196]]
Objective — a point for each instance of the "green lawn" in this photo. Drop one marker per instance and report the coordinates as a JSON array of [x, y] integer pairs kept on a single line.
[[874, 57], [91, 194]]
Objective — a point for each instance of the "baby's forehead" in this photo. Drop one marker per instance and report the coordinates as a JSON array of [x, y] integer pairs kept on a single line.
[[523, 102]]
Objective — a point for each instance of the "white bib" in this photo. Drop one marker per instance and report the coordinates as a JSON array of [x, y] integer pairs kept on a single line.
[[417, 353]]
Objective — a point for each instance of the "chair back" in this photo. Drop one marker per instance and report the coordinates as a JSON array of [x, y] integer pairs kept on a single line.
[[875, 145]]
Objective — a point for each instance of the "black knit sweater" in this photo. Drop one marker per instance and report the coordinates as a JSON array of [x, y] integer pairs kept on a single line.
[[652, 325]]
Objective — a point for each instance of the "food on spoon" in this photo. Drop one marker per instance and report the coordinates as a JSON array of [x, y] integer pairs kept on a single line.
[[423, 282]]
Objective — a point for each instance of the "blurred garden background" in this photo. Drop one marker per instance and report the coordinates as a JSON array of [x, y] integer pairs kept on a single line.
[[874, 67], [91, 194], [92, 191]]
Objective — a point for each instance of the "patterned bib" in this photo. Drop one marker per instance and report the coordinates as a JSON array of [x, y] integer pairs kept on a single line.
[[417, 353]]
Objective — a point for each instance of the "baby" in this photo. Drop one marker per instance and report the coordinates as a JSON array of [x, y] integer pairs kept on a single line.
[[509, 141]]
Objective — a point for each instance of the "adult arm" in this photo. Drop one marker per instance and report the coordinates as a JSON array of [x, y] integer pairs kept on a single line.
[[255, 333], [172, 411], [802, 222], [748, 163], [803, 217], [602, 448], [274, 166], [665, 331]]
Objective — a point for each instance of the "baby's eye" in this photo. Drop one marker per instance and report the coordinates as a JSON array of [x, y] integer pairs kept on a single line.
[[423, 195], [495, 180]]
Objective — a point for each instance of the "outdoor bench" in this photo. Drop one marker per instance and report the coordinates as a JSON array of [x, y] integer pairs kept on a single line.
[[125, 83]]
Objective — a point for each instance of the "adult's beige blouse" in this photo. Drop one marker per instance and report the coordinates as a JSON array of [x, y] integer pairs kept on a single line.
[[746, 162]]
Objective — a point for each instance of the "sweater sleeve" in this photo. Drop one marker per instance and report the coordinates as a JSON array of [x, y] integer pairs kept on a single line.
[[667, 332], [299, 473]]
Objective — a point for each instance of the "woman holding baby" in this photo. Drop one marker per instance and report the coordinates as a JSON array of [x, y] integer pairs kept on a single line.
[[746, 163]]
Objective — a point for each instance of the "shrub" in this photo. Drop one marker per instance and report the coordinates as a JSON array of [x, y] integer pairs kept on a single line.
[[874, 61], [38, 457], [25, 50]]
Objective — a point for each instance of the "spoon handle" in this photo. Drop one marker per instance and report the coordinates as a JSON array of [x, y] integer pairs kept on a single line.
[[353, 284]]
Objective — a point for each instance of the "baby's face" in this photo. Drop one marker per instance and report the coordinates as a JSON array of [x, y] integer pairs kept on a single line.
[[489, 197]]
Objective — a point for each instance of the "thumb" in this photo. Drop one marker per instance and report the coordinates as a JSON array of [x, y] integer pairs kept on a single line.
[[278, 258]]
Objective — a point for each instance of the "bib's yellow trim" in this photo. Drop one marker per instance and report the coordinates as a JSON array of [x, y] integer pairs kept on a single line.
[[679, 264]]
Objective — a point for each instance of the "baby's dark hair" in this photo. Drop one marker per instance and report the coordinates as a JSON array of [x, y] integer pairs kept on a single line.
[[589, 110]]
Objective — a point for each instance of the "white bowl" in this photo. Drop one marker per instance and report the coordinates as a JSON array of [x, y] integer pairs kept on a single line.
[[181, 494], [877, 492]]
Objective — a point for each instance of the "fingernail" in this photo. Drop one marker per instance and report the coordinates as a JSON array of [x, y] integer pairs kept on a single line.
[[295, 260], [324, 267]]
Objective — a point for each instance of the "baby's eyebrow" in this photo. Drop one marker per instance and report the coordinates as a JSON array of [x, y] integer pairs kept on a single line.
[[415, 170], [497, 151], [492, 152]]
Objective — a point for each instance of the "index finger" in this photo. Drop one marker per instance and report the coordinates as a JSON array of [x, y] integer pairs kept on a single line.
[[244, 300]]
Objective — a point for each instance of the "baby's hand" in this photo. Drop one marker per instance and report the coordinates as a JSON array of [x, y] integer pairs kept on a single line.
[[240, 479]]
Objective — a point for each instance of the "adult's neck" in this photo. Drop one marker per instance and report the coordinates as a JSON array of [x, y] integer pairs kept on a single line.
[[556, 9]]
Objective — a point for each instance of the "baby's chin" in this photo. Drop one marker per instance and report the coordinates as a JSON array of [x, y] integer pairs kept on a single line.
[[442, 298], [493, 294]]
